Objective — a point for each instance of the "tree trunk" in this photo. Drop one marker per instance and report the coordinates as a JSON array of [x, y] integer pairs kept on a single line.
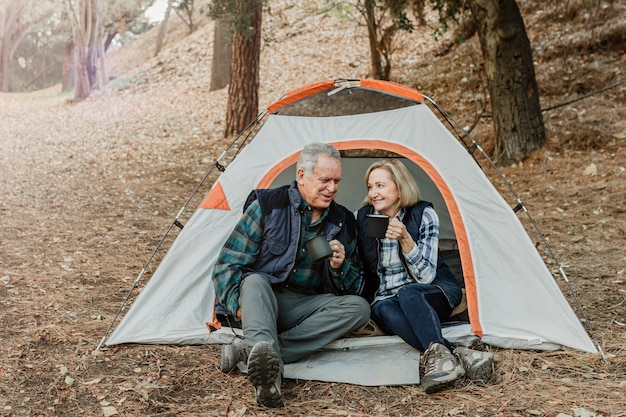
[[80, 30], [372, 34], [163, 28], [68, 66], [11, 33], [92, 45], [243, 91], [220, 64], [516, 110]]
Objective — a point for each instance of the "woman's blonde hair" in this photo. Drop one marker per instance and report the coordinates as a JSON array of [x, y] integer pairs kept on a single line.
[[401, 176]]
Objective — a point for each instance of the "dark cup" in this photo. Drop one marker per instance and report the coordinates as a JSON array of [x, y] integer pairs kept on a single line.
[[318, 248], [377, 225]]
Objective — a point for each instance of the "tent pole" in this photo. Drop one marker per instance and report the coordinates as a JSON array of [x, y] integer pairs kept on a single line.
[[456, 128], [248, 132]]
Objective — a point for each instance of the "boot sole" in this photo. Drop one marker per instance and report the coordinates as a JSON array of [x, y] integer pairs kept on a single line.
[[480, 371], [263, 372], [437, 383]]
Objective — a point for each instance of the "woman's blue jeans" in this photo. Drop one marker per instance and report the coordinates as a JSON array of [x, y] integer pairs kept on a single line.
[[414, 314]]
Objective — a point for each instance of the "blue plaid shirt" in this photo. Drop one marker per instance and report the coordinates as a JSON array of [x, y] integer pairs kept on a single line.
[[421, 260]]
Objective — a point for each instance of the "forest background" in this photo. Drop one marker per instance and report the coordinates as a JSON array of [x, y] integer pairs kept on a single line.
[[88, 188]]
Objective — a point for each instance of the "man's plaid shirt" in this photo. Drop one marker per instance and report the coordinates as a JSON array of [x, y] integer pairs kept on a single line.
[[238, 255]]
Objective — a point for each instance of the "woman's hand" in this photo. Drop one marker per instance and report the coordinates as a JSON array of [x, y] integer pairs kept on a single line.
[[339, 254], [397, 231]]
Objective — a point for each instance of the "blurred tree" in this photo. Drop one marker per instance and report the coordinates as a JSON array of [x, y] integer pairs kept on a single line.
[[89, 70], [43, 55], [243, 90], [184, 9], [15, 20], [220, 64], [122, 17], [163, 27], [383, 19]]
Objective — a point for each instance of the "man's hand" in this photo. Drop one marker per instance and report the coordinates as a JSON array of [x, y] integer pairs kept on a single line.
[[339, 254]]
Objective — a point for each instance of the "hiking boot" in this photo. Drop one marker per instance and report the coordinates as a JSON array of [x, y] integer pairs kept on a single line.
[[264, 375], [441, 368], [478, 365], [232, 354]]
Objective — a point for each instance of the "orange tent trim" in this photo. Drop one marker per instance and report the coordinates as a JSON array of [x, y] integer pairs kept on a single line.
[[216, 199]]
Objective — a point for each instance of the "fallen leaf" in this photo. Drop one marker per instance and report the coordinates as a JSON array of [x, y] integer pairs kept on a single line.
[[109, 411], [591, 169]]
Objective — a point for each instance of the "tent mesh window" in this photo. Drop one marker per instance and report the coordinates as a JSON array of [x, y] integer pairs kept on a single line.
[[344, 102]]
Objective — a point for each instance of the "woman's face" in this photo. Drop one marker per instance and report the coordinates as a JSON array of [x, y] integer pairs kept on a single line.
[[383, 192]]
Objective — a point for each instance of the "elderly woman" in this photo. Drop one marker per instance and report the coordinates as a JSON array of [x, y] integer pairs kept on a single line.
[[411, 288]]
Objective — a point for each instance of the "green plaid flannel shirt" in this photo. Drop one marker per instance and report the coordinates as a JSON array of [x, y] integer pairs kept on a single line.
[[239, 255]]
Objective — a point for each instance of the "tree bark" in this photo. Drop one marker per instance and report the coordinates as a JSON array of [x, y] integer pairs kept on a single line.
[[11, 33], [372, 34], [91, 28], [163, 29], [243, 91], [68, 66], [220, 64], [507, 55], [80, 31]]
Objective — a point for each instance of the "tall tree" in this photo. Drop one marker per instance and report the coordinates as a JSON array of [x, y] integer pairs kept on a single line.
[[184, 10], [163, 27], [88, 46], [12, 30], [516, 111], [220, 63], [243, 90], [383, 19]]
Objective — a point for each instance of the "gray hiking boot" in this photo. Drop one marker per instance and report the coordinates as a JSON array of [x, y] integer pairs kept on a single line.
[[264, 375], [232, 354], [478, 365], [441, 368]]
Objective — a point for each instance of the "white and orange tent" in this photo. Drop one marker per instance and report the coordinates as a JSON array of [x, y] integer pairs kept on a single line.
[[512, 298]]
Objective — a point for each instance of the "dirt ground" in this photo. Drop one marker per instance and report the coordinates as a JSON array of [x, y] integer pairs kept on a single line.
[[89, 188]]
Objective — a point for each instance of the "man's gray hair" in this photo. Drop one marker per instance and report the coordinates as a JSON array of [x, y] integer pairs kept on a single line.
[[308, 157]]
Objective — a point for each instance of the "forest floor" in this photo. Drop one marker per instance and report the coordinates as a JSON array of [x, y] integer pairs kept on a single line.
[[88, 189]]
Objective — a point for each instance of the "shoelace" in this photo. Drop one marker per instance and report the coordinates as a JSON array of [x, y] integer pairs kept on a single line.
[[431, 363]]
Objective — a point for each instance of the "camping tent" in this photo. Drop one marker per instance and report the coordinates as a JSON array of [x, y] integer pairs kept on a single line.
[[512, 298]]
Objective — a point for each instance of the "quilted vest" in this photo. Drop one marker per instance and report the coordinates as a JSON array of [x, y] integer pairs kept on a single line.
[[281, 233], [368, 248]]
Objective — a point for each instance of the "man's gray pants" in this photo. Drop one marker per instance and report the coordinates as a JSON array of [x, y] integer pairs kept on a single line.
[[297, 324]]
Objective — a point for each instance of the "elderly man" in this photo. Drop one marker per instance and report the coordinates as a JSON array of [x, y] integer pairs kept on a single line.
[[289, 304]]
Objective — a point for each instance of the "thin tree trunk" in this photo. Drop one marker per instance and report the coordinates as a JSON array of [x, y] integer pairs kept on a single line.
[[11, 32], [220, 64], [372, 34], [68, 66], [516, 110], [79, 29], [163, 28]]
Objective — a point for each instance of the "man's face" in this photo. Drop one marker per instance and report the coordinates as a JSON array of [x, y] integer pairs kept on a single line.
[[320, 188]]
